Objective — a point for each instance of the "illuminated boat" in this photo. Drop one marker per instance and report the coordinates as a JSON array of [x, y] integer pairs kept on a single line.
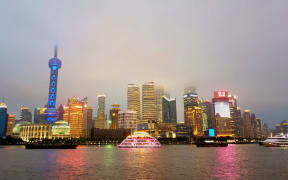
[[140, 140], [280, 140]]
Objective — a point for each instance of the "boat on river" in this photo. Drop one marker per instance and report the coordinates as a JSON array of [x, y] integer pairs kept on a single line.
[[211, 143], [280, 140], [140, 140], [50, 146]]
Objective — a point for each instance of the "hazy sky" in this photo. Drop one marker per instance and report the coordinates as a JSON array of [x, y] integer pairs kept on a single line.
[[239, 46]]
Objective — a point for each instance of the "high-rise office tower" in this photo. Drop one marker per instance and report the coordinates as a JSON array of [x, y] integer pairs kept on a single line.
[[115, 108], [127, 119], [159, 93], [258, 128], [3, 119], [133, 99], [247, 125], [25, 114], [79, 116], [190, 98], [101, 119], [101, 103], [208, 111], [88, 116], [10, 124], [238, 120], [39, 115], [54, 64], [148, 103], [224, 123], [169, 112]]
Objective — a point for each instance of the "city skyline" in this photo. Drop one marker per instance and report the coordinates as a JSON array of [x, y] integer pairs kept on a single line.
[[98, 59]]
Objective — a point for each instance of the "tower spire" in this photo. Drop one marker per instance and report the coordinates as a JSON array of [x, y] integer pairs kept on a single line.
[[55, 51]]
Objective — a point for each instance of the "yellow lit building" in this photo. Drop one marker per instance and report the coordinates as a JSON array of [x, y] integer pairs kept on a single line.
[[133, 99], [148, 103], [193, 117], [35, 131], [79, 120], [10, 124], [114, 116]]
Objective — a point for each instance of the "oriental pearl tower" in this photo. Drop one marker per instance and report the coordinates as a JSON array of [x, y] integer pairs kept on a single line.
[[51, 112]]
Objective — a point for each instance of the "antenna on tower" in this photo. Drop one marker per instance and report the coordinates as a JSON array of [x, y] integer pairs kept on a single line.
[[55, 51]]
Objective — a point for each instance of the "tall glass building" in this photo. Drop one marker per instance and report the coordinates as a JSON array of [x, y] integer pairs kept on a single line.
[[169, 113], [3, 119]]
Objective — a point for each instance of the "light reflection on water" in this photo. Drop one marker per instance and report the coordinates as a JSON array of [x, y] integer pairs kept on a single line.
[[167, 162]]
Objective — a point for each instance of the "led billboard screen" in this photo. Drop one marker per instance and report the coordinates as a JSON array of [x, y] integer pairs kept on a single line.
[[222, 108]]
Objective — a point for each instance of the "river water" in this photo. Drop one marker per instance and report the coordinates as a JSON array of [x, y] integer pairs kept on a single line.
[[167, 162]]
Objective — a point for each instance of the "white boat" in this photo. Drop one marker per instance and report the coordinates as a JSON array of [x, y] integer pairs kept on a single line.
[[140, 140], [280, 140]]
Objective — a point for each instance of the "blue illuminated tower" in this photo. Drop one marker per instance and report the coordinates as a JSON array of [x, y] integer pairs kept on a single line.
[[51, 112]]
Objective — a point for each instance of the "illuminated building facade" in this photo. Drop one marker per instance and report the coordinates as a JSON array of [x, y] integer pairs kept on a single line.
[[78, 114], [190, 98], [115, 108], [3, 119], [127, 119], [10, 124], [35, 131], [60, 129], [148, 103], [133, 99], [54, 65], [169, 112], [238, 121], [247, 125], [224, 124], [208, 113], [25, 114]]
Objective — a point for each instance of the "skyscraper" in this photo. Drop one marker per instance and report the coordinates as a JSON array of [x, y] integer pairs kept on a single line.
[[208, 110], [169, 112], [79, 116], [60, 111], [87, 121], [133, 99], [54, 65], [159, 93], [224, 123], [148, 103], [247, 126], [190, 98], [115, 108], [3, 119], [25, 114], [101, 119]]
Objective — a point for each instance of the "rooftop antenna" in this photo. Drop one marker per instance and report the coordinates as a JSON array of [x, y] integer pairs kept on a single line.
[[55, 51]]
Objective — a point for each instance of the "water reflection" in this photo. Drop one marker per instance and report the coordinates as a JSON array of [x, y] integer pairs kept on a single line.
[[226, 163], [70, 163]]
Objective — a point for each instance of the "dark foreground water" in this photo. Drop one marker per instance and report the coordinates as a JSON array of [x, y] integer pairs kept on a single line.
[[167, 162]]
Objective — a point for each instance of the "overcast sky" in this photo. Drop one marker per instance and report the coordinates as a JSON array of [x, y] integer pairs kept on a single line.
[[239, 46]]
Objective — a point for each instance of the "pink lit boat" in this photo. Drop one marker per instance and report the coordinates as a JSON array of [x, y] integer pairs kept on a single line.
[[140, 140]]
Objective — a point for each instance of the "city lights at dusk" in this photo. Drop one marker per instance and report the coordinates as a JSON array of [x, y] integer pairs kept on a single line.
[[144, 89]]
